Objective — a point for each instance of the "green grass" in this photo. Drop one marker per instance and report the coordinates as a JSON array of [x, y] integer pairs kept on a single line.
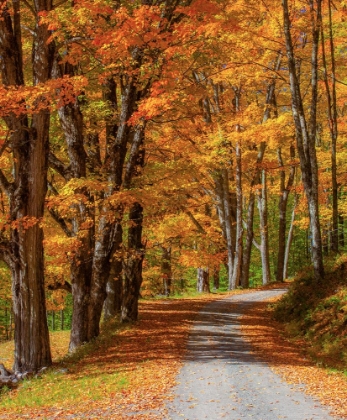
[[70, 380], [56, 388]]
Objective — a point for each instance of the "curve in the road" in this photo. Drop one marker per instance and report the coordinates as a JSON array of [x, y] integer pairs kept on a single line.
[[222, 379]]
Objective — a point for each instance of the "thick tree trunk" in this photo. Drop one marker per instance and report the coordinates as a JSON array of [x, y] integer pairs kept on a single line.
[[133, 265], [28, 190], [100, 272], [216, 280], [203, 281], [89, 276], [71, 120], [114, 288]]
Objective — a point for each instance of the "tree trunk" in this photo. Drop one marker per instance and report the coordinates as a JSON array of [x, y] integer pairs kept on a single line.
[[246, 257], [333, 127], [236, 278], [264, 236], [216, 272], [166, 270], [114, 288], [306, 130], [225, 212], [133, 265], [203, 283], [341, 231], [289, 242], [28, 190], [282, 205]]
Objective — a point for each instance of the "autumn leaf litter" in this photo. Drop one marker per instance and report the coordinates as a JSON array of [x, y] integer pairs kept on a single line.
[[150, 354]]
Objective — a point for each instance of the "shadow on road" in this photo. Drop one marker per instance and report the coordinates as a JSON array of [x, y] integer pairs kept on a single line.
[[217, 334]]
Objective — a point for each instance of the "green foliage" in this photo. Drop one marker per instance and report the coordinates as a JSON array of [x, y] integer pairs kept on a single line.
[[59, 320]]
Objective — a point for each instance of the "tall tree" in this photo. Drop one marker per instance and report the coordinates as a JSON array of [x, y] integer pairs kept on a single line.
[[29, 141], [330, 86], [306, 126], [285, 188]]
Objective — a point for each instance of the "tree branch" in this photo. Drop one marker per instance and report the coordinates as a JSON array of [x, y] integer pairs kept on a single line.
[[59, 166], [60, 286], [61, 222], [5, 253], [5, 185], [196, 223]]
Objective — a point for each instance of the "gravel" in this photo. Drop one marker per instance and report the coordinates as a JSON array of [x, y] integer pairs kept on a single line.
[[221, 379]]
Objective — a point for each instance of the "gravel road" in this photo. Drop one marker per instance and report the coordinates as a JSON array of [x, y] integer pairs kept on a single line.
[[221, 379]]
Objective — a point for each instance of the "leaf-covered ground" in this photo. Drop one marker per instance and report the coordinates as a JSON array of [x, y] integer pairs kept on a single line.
[[129, 372], [142, 361], [290, 359]]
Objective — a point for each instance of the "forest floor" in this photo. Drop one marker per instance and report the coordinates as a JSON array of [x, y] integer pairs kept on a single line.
[[130, 372]]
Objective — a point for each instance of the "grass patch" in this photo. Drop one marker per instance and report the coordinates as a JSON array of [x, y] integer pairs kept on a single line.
[[57, 388], [59, 346], [67, 381]]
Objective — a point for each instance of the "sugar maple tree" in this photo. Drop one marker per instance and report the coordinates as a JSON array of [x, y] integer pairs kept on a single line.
[[98, 181], [172, 118]]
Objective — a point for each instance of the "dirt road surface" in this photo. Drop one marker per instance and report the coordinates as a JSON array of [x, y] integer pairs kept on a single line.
[[222, 379]]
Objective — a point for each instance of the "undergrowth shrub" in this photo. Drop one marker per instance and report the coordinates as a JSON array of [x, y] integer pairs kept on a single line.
[[318, 312]]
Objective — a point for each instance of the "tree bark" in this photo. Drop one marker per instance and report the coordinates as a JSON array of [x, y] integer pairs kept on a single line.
[[203, 283], [263, 225], [136, 249], [223, 204], [306, 129], [166, 270], [333, 126], [289, 242], [282, 205], [114, 288], [216, 273], [237, 268], [246, 257], [133, 265], [28, 190]]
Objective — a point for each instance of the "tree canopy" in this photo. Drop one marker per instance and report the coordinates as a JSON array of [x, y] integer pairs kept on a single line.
[[144, 141]]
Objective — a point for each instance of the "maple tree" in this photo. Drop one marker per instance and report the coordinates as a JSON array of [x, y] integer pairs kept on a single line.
[[25, 187], [151, 131]]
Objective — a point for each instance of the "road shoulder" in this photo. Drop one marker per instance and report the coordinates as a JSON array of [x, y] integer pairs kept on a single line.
[[289, 359]]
